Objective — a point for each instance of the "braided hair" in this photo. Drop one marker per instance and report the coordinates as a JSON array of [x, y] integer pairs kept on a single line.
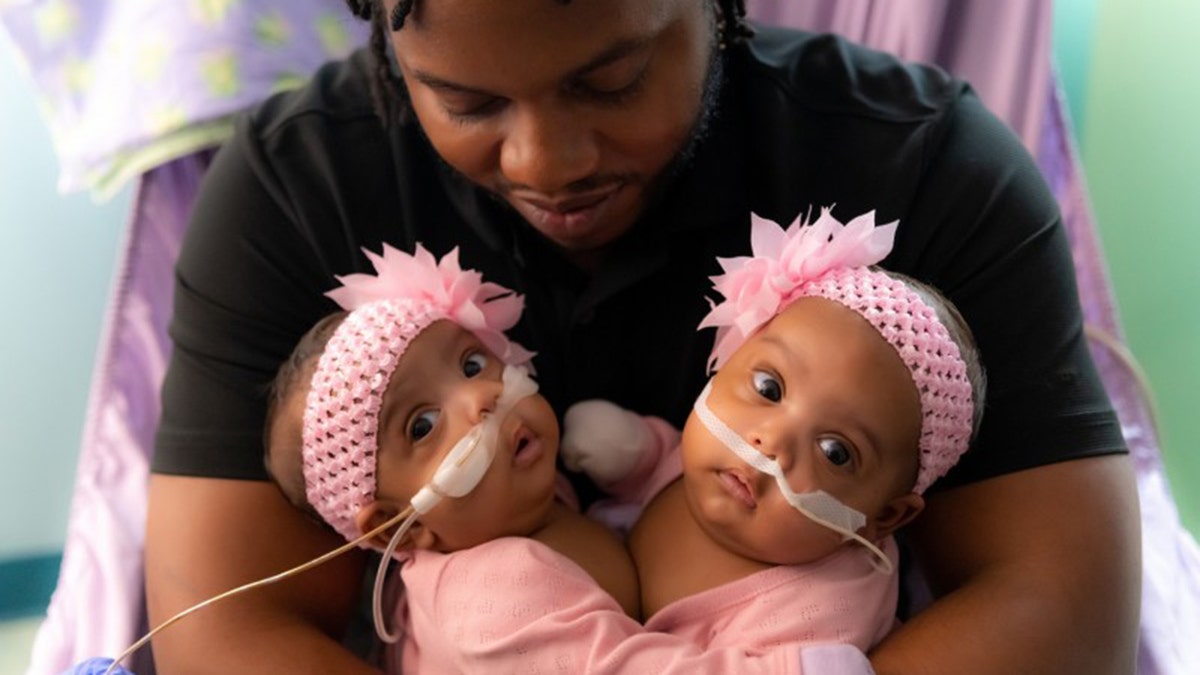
[[388, 92]]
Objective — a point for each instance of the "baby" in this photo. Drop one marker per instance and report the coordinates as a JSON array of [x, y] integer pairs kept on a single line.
[[841, 393], [371, 402]]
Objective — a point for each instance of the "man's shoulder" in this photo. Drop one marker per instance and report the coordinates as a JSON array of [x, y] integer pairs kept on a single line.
[[338, 93], [322, 152], [827, 74], [327, 131], [831, 122]]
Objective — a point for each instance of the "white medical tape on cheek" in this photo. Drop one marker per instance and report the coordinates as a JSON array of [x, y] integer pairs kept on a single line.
[[818, 506], [469, 459]]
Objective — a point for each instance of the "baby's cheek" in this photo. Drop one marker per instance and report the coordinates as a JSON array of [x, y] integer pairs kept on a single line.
[[804, 540]]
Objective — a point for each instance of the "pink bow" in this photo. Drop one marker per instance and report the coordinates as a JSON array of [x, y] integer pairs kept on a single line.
[[758, 286], [485, 309]]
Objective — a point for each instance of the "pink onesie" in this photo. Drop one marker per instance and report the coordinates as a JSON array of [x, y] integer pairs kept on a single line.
[[514, 605]]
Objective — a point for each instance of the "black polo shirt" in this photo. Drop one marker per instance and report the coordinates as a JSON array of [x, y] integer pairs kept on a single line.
[[311, 178]]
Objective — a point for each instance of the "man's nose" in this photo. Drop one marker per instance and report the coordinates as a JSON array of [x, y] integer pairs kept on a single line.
[[547, 149]]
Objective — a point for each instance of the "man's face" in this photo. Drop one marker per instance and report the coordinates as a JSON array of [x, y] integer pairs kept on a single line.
[[568, 112]]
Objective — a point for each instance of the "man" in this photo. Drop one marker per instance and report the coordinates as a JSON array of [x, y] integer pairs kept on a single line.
[[597, 156]]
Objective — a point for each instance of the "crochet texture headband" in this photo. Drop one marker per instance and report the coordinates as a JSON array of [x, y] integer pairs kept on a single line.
[[827, 259], [388, 310]]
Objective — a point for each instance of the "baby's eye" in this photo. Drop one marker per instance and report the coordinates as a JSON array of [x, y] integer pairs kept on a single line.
[[422, 425], [767, 386], [475, 364], [835, 451]]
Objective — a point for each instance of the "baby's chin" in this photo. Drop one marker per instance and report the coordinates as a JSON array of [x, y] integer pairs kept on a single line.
[[734, 533], [523, 520], [537, 515]]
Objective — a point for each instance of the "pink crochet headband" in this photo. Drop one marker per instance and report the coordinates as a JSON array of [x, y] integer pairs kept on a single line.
[[827, 259], [388, 310]]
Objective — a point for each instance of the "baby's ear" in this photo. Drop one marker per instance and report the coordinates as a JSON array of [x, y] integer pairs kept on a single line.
[[897, 513], [379, 512]]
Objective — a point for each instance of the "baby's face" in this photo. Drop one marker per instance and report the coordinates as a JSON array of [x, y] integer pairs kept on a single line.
[[821, 391], [445, 381]]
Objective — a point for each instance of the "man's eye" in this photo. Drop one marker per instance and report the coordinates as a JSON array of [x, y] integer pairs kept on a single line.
[[835, 451], [767, 386], [473, 108], [422, 425], [615, 82], [475, 364], [612, 89]]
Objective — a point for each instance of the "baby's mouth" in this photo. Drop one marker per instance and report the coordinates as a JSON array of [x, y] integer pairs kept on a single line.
[[526, 447], [738, 487]]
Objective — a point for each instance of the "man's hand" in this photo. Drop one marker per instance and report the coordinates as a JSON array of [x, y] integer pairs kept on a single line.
[[1035, 572]]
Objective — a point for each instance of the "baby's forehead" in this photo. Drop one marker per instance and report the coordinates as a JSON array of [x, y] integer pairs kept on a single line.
[[855, 366], [433, 353], [828, 320]]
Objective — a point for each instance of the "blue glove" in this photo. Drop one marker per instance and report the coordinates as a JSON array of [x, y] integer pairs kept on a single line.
[[96, 666]]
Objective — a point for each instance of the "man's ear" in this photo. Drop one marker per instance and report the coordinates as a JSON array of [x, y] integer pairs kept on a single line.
[[897, 513], [379, 512]]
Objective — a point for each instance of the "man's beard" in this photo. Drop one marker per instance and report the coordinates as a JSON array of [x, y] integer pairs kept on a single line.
[[710, 99]]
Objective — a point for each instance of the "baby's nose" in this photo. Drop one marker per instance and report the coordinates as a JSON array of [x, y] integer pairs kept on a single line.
[[774, 444]]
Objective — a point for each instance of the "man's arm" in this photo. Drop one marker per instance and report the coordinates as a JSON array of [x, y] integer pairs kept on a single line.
[[205, 536], [1037, 572]]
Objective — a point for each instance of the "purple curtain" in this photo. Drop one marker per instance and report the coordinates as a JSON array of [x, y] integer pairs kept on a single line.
[[98, 606]]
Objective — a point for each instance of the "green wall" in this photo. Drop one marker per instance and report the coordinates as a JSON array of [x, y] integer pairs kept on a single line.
[[1130, 67]]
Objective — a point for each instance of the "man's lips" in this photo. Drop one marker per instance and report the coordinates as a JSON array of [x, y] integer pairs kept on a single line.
[[569, 216], [568, 204], [738, 487]]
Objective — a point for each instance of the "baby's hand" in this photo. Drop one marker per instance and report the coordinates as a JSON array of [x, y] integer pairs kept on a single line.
[[603, 440]]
